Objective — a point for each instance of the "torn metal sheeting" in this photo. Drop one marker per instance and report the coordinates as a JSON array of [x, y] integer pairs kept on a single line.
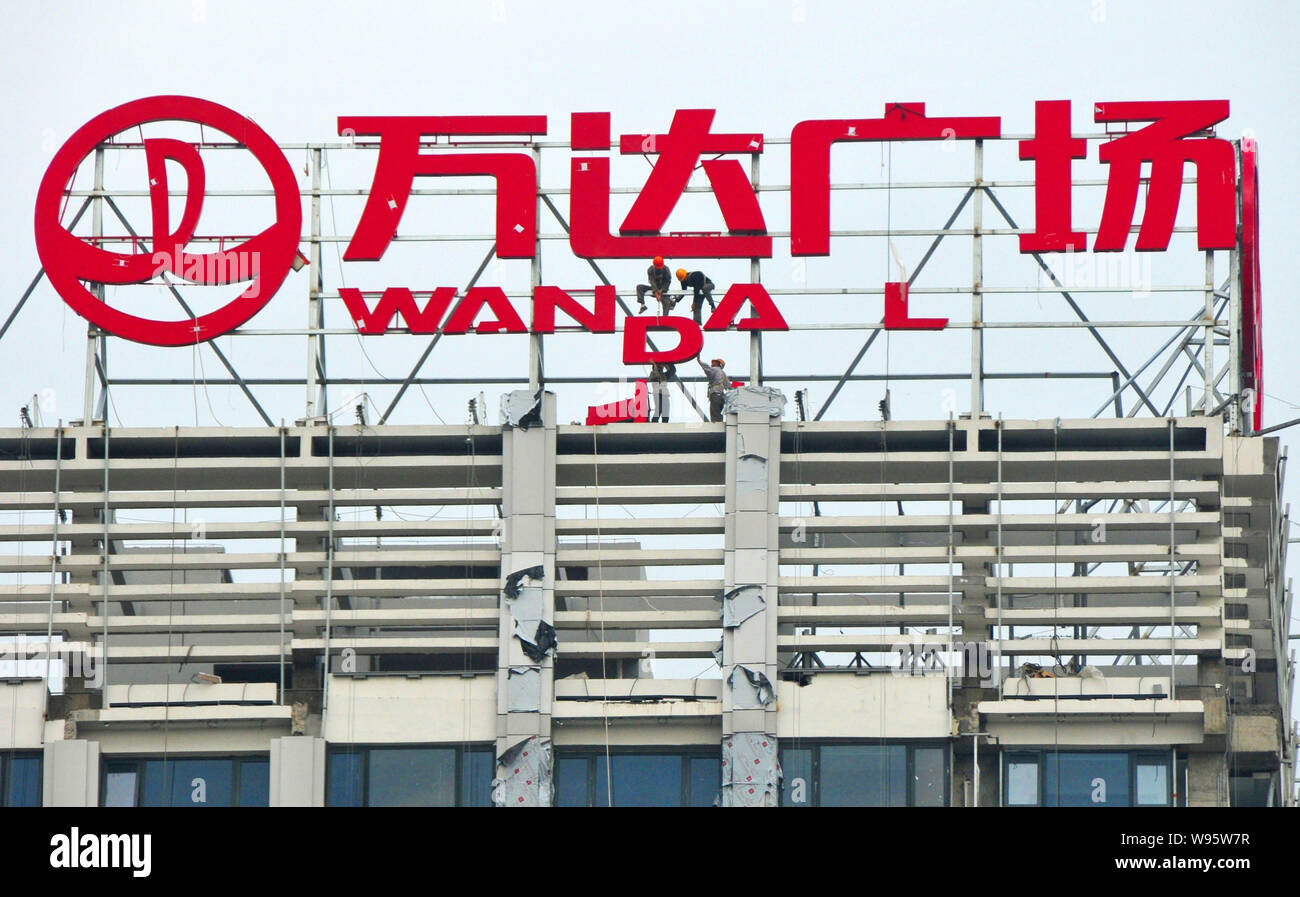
[[514, 580], [751, 690], [763, 399], [751, 770], [741, 603], [524, 774], [526, 603], [751, 473], [541, 644], [524, 690], [521, 408], [717, 655]]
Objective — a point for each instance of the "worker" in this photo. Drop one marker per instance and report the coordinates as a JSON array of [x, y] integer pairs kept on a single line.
[[660, 374], [660, 281], [703, 290], [718, 384]]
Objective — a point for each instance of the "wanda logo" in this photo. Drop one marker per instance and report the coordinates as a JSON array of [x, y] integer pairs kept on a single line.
[[264, 259]]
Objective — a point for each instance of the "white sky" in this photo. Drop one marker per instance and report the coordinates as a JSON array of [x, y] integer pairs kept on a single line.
[[295, 67]]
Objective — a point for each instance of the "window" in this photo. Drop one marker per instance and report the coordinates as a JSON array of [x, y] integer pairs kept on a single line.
[[1022, 780], [641, 779], [865, 775], [1086, 779], [186, 781], [409, 776], [20, 779]]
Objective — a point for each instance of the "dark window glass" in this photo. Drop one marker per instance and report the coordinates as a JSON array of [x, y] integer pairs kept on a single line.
[[20, 784], [571, 781], [206, 782], [478, 768], [254, 783], [705, 781], [153, 792], [412, 777], [640, 780], [343, 783], [929, 776], [797, 784], [1086, 780], [863, 775]]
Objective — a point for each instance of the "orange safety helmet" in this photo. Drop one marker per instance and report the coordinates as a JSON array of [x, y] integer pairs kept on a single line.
[[681, 273], [659, 261], [718, 362]]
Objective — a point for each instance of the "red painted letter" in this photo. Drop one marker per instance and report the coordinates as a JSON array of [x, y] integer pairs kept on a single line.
[[547, 299], [896, 315], [690, 339], [507, 319], [400, 161], [766, 315], [1052, 150], [1167, 146], [397, 300]]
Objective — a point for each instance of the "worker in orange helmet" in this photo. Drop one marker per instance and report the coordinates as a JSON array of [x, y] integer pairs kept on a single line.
[[660, 281], [695, 280]]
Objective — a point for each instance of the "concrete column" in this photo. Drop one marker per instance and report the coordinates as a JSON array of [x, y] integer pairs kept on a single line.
[[526, 654], [751, 772], [1207, 780], [297, 772], [70, 774]]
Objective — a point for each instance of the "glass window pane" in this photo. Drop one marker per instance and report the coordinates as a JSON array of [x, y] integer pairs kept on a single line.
[[863, 775], [25, 781], [254, 783], [706, 781], [929, 776], [1086, 780], [477, 770], [155, 789], [205, 782], [641, 780], [119, 788], [1152, 785], [343, 783], [412, 777], [797, 780], [571, 781], [1022, 782]]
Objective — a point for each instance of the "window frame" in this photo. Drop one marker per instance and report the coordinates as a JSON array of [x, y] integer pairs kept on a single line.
[[7, 779], [459, 749], [910, 746], [592, 755], [1134, 758], [135, 764]]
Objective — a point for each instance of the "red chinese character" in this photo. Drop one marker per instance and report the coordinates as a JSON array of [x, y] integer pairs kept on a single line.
[[678, 153], [1053, 151], [810, 160], [400, 161], [1167, 144]]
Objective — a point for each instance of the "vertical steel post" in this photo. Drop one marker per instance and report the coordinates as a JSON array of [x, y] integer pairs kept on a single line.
[[1236, 411], [977, 289], [1211, 304], [316, 284], [755, 336], [536, 358], [93, 340]]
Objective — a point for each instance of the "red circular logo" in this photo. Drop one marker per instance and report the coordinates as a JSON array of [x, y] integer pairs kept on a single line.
[[265, 258]]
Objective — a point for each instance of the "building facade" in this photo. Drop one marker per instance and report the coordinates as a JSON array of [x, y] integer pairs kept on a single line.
[[764, 611]]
